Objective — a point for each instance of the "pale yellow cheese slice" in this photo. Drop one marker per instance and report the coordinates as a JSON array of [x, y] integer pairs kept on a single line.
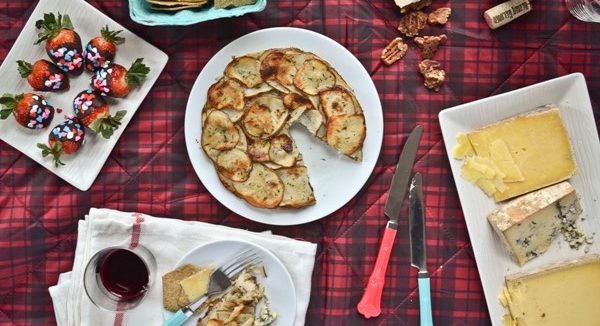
[[463, 147], [196, 285], [539, 145], [500, 155]]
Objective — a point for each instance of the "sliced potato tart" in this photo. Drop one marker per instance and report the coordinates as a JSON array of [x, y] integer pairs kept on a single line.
[[297, 189], [263, 188], [265, 116], [283, 151], [346, 132], [234, 164], [226, 94], [336, 101], [312, 120], [219, 132], [258, 150], [246, 70], [314, 76]]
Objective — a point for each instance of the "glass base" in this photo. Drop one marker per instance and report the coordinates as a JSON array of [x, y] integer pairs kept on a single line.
[[585, 10]]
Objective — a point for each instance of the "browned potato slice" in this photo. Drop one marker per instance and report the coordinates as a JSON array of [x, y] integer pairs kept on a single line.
[[258, 150], [234, 164], [346, 132], [294, 100], [265, 116], [233, 115], [286, 71], [272, 166], [211, 153], [246, 70], [314, 76], [219, 132], [336, 101], [227, 183], [298, 57], [226, 93], [243, 142], [282, 151], [277, 86], [263, 188], [262, 88], [297, 189], [270, 64], [312, 120]]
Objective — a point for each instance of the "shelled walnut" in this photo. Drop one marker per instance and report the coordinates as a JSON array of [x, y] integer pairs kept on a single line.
[[394, 51], [430, 44], [439, 16], [412, 22], [434, 74]]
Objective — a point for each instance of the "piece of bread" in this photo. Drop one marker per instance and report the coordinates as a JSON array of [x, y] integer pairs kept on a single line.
[[173, 296], [233, 3]]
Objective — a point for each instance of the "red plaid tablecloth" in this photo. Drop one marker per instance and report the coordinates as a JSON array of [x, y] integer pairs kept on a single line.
[[149, 170]]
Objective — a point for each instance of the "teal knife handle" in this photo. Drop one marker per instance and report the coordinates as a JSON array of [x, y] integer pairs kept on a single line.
[[177, 319], [425, 299]]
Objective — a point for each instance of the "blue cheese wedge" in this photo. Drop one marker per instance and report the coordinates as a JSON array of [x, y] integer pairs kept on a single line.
[[527, 225]]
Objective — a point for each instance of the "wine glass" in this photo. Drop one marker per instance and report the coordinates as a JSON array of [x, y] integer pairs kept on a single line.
[[118, 278]]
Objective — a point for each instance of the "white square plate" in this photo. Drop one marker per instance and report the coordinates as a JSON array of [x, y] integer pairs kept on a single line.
[[493, 260], [82, 167]]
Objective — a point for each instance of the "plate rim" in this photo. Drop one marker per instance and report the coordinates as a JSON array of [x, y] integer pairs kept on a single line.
[[259, 217]]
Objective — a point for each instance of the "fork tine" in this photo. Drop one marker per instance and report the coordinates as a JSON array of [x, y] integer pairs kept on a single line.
[[242, 266], [233, 260]]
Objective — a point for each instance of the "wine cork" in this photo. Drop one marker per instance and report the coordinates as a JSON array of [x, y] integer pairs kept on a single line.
[[506, 12]]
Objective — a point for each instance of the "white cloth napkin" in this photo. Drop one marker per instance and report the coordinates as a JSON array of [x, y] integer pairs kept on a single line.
[[168, 240]]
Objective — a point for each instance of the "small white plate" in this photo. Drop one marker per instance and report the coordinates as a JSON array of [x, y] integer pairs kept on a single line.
[[278, 284], [335, 178], [493, 260], [81, 168]]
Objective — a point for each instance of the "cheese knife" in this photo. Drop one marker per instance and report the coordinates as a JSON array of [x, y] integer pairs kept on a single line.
[[370, 304], [418, 257]]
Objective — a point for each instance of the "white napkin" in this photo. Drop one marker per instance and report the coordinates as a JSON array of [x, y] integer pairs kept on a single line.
[[168, 240]]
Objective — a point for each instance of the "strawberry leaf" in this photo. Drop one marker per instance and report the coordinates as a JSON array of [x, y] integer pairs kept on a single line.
[[107, 132], [51, 26], [96, 125], [112, 36], [25, 68], [55, 151], [137, 72], [119, 115]]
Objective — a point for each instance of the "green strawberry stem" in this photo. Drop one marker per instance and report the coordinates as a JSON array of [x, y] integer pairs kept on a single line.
[[51, 26], [106, 126], [112, 36], [136, 73], [10, 103], [25, 68], [55, 151]]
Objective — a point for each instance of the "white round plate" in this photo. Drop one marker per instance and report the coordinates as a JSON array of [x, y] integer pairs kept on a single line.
[[335, 178], [278, 284]]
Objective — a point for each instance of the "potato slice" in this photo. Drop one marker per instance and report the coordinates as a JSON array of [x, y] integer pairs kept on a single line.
[[243, 142], [346, 132], [297, 189], [270, 64], [286, 71], [246, 70], [283, 151], [211, 153], [314, 76], [234, 164], [265, 116], [227, 183], [312, 120], [219, 132], [262, 88], [262, 189], [336, 101], [294, 100], [272, 166], [277, 86], [233, 115], [258, 150], [226, 93]]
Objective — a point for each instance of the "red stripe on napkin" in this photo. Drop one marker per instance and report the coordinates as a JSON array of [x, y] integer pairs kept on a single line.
[[136, 230]]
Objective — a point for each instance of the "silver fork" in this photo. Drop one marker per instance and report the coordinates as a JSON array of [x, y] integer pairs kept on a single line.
[[220, 280]]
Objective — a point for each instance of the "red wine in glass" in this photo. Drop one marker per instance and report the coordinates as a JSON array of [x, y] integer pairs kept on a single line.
[[124, 274]]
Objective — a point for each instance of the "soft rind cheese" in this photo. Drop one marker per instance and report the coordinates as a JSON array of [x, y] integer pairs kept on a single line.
[[561, 295], [527, 225], [196, 285], [538, 143]]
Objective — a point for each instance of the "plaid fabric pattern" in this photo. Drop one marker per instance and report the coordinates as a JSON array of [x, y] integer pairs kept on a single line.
[[149, 170]]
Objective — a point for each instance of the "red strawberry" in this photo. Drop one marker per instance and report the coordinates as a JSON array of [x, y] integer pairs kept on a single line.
[[63, 44], [43, 75], [92, 110], [101, 50], [65, 138], [114, 80], [30, 110]]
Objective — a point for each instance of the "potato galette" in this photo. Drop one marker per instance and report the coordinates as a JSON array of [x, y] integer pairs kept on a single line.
[[248, 113]]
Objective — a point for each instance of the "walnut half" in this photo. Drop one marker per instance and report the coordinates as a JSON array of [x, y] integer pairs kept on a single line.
[[430, 44], [394, 51], [434, 74], [412, 23], [439, 16]]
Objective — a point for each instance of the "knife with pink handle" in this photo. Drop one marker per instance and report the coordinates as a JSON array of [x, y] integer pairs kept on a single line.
[[370, 304]]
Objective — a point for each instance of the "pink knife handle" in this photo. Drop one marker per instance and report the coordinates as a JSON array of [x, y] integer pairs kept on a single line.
[[370, 304]]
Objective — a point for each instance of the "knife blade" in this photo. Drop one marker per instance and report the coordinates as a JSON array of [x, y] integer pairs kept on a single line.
[[418, 252], [370, 303]]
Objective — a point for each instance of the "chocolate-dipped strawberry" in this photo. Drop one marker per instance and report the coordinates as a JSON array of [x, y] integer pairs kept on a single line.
[[101, 50], [114, 80], [65, 138], [93, 111], [63, 44], [30, 110], [43, 75]]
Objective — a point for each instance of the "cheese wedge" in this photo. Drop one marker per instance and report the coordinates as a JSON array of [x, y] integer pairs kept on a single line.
[[560, 295], [196, 285], [538, 144], [528, 224]]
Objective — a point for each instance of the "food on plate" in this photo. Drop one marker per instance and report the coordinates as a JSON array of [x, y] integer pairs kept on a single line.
[[248, 114], [43, 75], [63, 44], [114, 80], [433, 73], [244, 303], [93, 111], [412, 23], [528, 224], [30, 110], [439, 16], [233, 3], [101, 50], [430, 44], [65, 138], [394, 51], [561, 294], [463, 147], [174, 5], [528, 152]]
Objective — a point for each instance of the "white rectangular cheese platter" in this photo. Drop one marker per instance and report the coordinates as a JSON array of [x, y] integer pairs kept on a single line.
[[494, 261]]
